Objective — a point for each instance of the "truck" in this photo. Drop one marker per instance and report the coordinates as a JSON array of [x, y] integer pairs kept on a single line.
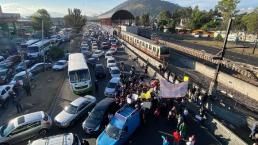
[[121, 126]]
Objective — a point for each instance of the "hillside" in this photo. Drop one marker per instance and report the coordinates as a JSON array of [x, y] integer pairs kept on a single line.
[[140, 7]]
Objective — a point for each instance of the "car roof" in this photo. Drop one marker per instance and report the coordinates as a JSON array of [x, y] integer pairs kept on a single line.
[[99, 65], [78, 101], [115, 80], [31, 117], [61, 60], [21, 73], [3, 86], [61, 139], [111, 58], [103, 104], [114, 68]]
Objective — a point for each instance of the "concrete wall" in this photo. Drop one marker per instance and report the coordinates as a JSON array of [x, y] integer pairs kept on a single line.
[[229, 81], [218, 129]]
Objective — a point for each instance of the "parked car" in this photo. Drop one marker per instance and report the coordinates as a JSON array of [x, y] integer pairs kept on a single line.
[[4, 76], [92, 61], [114, 72], [98, 117], [111, 62], [5, 90], [20, 77], [84, 49], [35, 69], [60, 65], [100, 71], [121, 127], [12, 60], [110, 89], [25, 127], [113, 50], [21, 66], [87, 54], [94, 46], [74, 111], [97, 53], [61, 139]]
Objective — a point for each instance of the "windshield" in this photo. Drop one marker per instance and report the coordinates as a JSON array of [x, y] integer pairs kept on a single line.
[[111, 61], [97, 114], [33, 49], [16, 78], [2, 73], [79, 76], [111, 85], [2, 66], [115, 71], [70, 109], [60, 63], [6, 129], [113, 131]]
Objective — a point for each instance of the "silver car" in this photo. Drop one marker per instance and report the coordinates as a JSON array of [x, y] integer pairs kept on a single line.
[[25, 127], [62, 139], [74, 111]]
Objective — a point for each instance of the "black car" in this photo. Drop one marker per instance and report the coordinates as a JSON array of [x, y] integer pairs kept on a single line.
[[100, 71], [98, 117], [92, 61], [21, 66]]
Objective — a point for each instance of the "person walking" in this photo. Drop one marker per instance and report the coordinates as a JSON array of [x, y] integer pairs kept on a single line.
[[164, 140], [183, 130], [27, 87], [16, 102]]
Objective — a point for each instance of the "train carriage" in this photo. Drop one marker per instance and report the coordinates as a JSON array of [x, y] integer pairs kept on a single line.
[[159, 52]]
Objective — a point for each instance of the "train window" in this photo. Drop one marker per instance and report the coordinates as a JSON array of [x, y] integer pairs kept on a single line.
[[146, 45], [158, 51], [149, 47], [137, 41], [164, 50], [154, 49], [143, 43]]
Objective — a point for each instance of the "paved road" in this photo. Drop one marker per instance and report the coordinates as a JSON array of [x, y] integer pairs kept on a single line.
[[212, 50]]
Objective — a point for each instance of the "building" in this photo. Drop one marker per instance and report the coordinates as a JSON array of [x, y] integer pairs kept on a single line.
[[120, 17], [8, 17]]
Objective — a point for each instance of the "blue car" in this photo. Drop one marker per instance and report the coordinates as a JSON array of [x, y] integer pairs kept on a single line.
[[121, 127]]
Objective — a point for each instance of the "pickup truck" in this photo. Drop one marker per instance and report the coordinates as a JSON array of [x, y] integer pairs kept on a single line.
[[121, 127]]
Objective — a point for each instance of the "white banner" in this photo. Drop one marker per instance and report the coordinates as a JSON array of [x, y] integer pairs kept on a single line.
[[169, 90]]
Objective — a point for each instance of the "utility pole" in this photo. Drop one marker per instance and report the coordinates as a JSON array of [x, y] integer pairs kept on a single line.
[[42, 38], [255, 44], [214, 82]]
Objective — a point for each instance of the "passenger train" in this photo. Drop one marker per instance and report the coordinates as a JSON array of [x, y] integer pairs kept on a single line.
[[147, 46]]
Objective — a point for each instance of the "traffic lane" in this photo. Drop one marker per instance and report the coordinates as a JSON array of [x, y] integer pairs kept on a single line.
[[212, 50]]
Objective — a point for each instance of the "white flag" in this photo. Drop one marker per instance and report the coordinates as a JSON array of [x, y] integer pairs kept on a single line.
[[169, 90]]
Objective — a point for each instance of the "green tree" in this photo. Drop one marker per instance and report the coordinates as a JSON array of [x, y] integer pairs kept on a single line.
[[37, 18], [164, 15], [75, 19], [228, 10], [145, 20], [55, 53], [137, 20], [251, 22]]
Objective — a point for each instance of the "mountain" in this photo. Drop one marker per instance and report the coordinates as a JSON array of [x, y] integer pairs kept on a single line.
[[140, 7]]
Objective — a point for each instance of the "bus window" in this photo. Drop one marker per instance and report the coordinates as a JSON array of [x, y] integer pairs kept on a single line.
[[143, 44], [146, 45], [154, 49], [149, 47]]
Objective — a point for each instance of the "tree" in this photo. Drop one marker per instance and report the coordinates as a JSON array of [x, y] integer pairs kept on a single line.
[[251, 22], [75, 19], [164, 15], [137, 20], [55, 53], [238, 23], [145, 20], [37, 18], [228, 10]]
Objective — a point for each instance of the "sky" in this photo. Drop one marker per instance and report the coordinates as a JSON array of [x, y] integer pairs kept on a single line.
[[58, 8]]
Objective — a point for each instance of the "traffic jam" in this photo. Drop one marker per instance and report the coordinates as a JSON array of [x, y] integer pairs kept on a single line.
[[112, 114]]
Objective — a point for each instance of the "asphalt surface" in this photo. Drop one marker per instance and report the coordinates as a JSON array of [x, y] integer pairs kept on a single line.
[[147, 134], [212, 50]]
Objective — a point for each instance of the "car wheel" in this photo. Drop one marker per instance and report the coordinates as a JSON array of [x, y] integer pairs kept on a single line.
[[43, 132]]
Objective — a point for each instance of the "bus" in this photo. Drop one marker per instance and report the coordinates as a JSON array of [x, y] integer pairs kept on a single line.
[[39, 48], [79, 74]]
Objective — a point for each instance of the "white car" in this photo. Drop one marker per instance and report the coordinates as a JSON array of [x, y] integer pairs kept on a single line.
[[94, 46], [113, 50], [74, 111], [5, 90], [108, 54], [60, 65], [97, 53], [111, 62], [114, 71], [20, 77], [110, 89]]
